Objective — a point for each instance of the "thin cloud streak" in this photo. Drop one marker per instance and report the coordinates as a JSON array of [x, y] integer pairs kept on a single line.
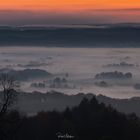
[[30, 17], [116, 10]]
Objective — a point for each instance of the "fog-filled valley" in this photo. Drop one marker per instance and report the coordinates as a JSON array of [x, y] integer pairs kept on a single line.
[[70, 92], [69, 69], [113, 72]]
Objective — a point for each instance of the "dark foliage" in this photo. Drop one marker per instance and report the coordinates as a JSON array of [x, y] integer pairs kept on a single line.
[[90, 120], [113, 75]]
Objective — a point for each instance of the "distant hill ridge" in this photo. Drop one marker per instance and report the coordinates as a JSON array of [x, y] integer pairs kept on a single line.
[[25, 74], [121, 35], [34, 102]]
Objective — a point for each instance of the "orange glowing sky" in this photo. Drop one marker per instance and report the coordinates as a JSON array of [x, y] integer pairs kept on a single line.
[[90, 10], [69, 4]]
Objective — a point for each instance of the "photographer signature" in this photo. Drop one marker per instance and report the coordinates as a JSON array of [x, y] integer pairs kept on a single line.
[[64, 136]]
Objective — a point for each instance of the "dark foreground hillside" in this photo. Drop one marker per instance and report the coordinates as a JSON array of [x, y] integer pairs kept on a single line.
[[90, 120]]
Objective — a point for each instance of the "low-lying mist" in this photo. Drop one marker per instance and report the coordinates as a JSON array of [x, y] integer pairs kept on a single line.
[[74, 70]]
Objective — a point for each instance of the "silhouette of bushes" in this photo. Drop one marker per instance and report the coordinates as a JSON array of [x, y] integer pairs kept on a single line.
[[90, 120], [113, 75]]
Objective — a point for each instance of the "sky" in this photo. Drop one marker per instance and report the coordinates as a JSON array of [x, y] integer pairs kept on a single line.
[[54, 12]]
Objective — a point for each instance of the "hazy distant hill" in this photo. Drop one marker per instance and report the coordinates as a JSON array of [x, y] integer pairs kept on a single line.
[[35, 102], [122, 35], [25, 74]]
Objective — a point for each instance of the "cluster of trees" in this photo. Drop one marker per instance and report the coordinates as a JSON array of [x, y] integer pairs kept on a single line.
[[113, 75], [122, 64], [89, 120], [59, 83], [101, 84], [38, 85]]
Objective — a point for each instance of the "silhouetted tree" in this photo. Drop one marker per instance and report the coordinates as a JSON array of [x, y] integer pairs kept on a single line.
[[8, 96], [8, 86]]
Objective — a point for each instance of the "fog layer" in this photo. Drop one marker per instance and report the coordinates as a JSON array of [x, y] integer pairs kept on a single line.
[[77, 68]]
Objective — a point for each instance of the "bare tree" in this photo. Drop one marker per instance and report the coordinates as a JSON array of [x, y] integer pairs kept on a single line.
[[8, 86]]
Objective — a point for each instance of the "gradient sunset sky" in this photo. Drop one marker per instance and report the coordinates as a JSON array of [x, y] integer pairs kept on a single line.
[[42, 12]]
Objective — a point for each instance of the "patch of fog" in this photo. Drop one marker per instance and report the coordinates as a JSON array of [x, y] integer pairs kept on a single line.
[[81, 64], [114, 92]]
